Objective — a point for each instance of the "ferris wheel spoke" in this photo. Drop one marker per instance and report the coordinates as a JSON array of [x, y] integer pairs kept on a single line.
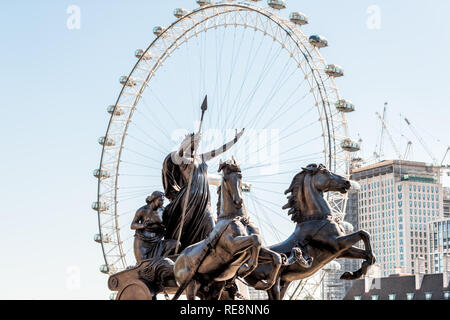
[[247, 70], [279, 113], [304, 144], [152, 119], [266, 147], [260, 203], [138, 187], [275, 90], [142, 155], [261, 81], [140, 175], [165, 108], [140, 165], [257, 211], [259, 220], [151, 147], [269, 62], [235, 56], [132, 198], [251, 178], [161, 147]]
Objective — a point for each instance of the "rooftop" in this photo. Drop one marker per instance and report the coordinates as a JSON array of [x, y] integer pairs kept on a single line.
[[401, 285]]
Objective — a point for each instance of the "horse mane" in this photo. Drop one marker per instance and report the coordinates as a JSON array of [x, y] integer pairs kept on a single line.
[[295, 189]]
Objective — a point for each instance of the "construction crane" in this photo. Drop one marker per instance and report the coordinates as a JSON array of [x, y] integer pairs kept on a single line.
[[385, 128], [422, 142], [379, 154], [408, 151], [445, 156]]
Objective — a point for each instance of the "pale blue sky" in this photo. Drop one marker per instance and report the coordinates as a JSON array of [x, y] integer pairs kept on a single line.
[[56, 84]]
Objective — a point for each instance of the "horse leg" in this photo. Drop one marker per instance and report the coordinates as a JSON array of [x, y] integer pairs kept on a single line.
[[284, 288], [340, 244], [356, 253], [267, 256], [274, 293], [215, 291], [192, 289], [242, 244], [350, 240]]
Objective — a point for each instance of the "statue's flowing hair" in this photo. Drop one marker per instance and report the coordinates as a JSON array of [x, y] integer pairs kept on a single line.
[[296, 190]]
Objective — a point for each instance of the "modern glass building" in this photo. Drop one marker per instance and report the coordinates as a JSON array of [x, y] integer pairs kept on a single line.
[[396, 203], [439, 232]]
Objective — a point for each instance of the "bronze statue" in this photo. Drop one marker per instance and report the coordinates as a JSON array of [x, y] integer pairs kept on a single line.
[[178, 169], [228, 252], [317, 233], [149, 241]]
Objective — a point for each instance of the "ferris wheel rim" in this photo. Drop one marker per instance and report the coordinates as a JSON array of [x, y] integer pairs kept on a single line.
[[242, 7]]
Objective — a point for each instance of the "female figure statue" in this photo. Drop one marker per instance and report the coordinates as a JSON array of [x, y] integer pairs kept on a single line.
[[177, 170]]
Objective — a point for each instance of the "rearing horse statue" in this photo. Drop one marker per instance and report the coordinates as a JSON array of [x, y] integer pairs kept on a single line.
[[317, 234], [230, 251]]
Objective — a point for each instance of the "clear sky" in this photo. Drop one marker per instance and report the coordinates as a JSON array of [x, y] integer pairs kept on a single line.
[[57, 82]]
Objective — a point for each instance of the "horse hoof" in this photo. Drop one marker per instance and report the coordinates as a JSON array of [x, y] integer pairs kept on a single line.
[[263, 285], [347, 276]]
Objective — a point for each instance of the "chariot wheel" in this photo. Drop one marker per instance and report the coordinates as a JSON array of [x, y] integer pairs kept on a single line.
[[262, 73]]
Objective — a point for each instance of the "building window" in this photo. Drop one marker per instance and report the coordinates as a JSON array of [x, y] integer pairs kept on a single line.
[[447, 295], [410, 296], [428, 296], [375, 297], [357, 297], [392, 296]]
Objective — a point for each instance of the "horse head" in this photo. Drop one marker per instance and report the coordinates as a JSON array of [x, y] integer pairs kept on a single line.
[[231, 183], [325, 181], [306, 200]]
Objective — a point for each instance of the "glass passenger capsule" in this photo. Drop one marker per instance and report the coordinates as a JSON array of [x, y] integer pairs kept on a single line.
[[101, 174], [246, 187], [139, 53], [350, 146], [203, 3], [298, 18], [115, 110], [107, 142], [99, 239], [277, 4], [99, 206], [127, 81], [318, 41], [332, 266], [345, 106], [158, 30], [104, 269], [348, 227], [180, 12], [334, 71]]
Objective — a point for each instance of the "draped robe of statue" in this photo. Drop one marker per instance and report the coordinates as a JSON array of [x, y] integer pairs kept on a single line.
[[177, 168], [199, 219]]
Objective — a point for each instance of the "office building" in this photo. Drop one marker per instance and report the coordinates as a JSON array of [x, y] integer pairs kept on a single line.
[[396, 203]]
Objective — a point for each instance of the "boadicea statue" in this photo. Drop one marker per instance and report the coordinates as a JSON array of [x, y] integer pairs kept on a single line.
[[318, 239], [189, 252]]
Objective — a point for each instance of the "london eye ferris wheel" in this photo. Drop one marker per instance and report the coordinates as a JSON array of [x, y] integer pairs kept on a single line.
[[262, 73]]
